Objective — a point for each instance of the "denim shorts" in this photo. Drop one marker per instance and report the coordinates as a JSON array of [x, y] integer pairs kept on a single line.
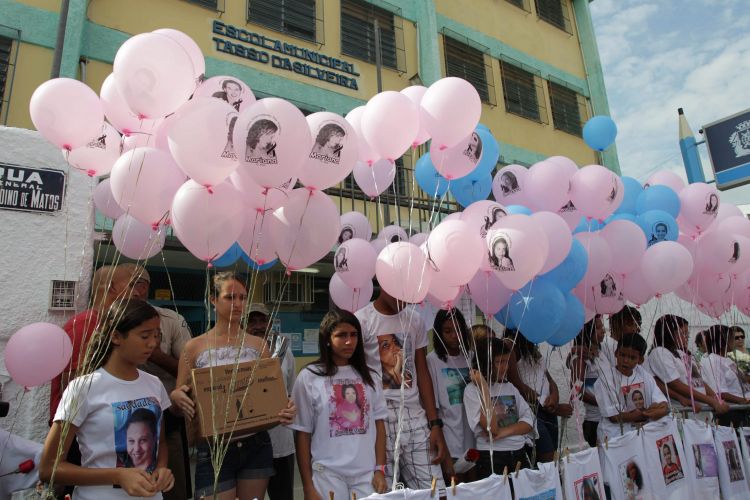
[[246, 458], [546, 425]]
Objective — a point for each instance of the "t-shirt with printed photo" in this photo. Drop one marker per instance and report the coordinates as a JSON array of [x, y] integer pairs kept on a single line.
[[449, 379], [509, 407]]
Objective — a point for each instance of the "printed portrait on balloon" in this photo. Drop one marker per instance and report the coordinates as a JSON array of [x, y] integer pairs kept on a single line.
[[712, 204], [659, 232], [608, 286], [229, 148], [474, 148], [260, 146], [340, 261], [499, 256], [328, 143], [735, 252], [613, 191], [508, 183], [346, 234], [231, 92], [494, 214]]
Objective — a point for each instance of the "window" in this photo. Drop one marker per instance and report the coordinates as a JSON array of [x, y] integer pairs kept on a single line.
[[520, 92], [466, 62], [358, 32], [62, 295], [566, 109], [211, 4], [295, 17], [521, 4], [6, 72], [554, 12]]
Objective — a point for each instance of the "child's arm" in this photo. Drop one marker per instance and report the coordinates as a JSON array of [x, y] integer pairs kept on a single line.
[[304, 461], [554, 395], [438, 448], [656, 410], [162, 475], [485, 404], [378, 479], [524, 424], [135, 482], [633, 416], [182, 404]]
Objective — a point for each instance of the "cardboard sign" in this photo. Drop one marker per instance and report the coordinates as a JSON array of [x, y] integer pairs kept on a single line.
[[237, 410]]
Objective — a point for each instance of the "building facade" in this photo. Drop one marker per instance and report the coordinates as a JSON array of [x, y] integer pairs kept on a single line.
[[534, 63]]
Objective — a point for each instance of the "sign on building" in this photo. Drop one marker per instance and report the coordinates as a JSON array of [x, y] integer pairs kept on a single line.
[[31, 189], [728, 142]]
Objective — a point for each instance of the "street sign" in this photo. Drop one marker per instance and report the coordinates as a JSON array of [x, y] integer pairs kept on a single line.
[[728, 142]]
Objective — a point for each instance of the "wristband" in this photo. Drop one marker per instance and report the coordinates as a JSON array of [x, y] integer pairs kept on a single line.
[[433, 423], [380, 468]]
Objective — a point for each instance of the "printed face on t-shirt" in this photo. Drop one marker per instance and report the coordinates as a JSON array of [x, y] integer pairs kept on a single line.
[[348, 408], [506, 410], [670, 460], [396, 360], [587, 487], [454, 380], [634, 396], [137, 425], [706, 464]]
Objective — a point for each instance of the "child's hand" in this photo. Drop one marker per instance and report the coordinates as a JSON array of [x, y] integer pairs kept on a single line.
[[720, 407], [378, 482], [477, 377], [565, 410], [287, 414], [182, 401], [163, 478], [550, 404], [136, 482], [312, 494]]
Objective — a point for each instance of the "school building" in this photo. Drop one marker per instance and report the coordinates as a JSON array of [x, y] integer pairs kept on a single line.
[[534, 63]]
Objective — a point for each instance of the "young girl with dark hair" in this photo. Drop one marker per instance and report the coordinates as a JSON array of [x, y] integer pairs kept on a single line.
[[248, 461], [341, 421], [721, 374], [669, 361], [101, 409], [452, 347]]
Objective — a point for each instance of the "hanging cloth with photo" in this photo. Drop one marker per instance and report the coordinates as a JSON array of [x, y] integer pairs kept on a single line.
[[701, 459], [624, 467], [405, 494], [732, 471], [491, 488], [542, 484], [745, 446], [582, 476], [665, 459]]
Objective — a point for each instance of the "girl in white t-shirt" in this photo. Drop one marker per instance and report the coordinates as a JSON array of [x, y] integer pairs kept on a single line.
[[450, 373], [721, 374], [341, 416], [673, 367], [115, 412]]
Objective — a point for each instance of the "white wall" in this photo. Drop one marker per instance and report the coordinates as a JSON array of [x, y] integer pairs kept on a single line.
[[36, 248]]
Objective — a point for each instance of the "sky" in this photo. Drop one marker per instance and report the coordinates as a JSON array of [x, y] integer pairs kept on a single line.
[[661, 55]]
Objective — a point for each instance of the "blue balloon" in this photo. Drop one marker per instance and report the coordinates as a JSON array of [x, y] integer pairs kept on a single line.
[[658, 198], [258, 267], [230, 256], [490, 154], [599, 132], [517, 209], [633, 188], [467, 190], [572, 322], [428, 178], [503, 317], [588, 226], [571, 270], [482, 126], [538, 309], [658, 226]]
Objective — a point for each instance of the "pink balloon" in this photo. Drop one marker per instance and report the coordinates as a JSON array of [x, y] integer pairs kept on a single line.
[[190, 47], [456, 251], [608, 294], [441, 294], [209, 157], [419, 238], [403, 272], [547, 186], [119, 114], [570, 215], [415, 94], [699, 204], [354, 225], [635, 288], [144, 182], [272, 141], [136, 240], [559, 237], [256, 198], [712, 287], [66, 112], [482, 216], [99, 155], [727, 211], [666, 178], [666, 266], [716, 251], [333, 153], [138, 140], [393, 233], [459, 160], [348, 298], [741, 262], [596, 191], [378, 244], [228, 89], [627, 244], [354, 262], [735, 224], [37, 353], [588, 314], [105, 202], [375, 179], [390, 124], [564, 162], [162, 128], [600, 257], [712, 309], [517, 248], [509, 185], [366, 153], [488, 292], [450, 110], [154, 74], [305, 228], [255, 239], [207, 222]]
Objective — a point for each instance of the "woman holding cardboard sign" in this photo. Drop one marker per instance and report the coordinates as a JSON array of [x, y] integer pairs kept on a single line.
[[248, 462]]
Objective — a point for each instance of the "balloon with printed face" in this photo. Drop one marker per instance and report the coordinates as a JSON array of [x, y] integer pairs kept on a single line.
[[354, 225], [517, 249], [509, 184], [99, 155], [699, 207], [393, 233], [596, 191], [354, 262], [547, 186], [375, 178], [403, 272], [457, 161], [456, 251], [334, 151], [608, 294], [228, 89], [658, 226]]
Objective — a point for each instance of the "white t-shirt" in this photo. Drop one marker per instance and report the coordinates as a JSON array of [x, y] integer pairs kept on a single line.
[[720, 374], [340, 413], [449, 378], [668, 368], [533, 374], [282, 437], [510, 408], [618, 393], [607, 351], [390, 343], [116, 420]]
